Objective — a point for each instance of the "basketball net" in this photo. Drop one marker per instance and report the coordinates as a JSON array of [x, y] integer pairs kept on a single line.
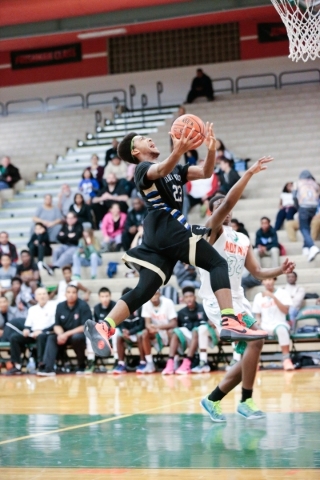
[[302, 21]]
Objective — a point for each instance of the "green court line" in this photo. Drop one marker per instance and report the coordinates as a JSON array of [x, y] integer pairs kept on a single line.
[[97, 422]]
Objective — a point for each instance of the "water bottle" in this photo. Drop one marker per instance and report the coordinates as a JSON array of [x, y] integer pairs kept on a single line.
[[31, 366]]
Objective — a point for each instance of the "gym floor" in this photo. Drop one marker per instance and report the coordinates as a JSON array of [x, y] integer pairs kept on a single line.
[[149, 427]]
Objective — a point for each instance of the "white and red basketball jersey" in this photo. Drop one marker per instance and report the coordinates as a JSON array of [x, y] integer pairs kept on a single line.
[[232, 246]]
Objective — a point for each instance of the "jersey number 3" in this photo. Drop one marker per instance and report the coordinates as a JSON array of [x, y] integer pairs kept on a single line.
[[177, 193]]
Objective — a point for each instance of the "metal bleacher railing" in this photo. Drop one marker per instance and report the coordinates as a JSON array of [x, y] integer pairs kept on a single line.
[[119, 98]]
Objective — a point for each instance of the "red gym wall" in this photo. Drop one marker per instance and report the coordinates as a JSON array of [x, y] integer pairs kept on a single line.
[[94, 52]]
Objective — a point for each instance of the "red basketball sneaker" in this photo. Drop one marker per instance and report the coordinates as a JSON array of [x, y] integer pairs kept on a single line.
[[99, 334], [234, 330]]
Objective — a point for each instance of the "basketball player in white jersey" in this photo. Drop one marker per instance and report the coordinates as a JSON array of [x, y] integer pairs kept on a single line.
[[236, 249]]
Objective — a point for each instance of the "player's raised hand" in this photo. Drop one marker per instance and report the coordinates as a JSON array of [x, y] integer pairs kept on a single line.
[[186, 142], [288, 266], [210, 139], [260, 165]]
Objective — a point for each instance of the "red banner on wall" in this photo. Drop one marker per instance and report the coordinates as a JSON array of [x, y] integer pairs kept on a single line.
[[46, 56]]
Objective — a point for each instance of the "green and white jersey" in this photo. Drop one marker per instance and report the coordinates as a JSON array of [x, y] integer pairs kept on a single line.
[[232, 246]]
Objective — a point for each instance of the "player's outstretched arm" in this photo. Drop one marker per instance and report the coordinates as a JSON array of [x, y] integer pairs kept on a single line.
[[194, 172], [180, 147], [255, 269], [217, 218]]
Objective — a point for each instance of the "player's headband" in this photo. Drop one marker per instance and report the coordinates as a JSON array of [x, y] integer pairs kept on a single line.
[[132, 147]]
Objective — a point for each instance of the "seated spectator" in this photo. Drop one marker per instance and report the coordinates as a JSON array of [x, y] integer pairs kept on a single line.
[[82, 210], [191, 157], [62, 287], [296, 293], [292, 227], [128, 334], [112, 152], [70, 318], [116, 166], [201, 87], [87, 255], [8, 248], [199, 191], [96, 169], [287, 208], [112, 228], [9, 174], [28, 270], [69, 237], [184, 335], [7, 272], [267, 244], [160, 316], [7, 314], [104, 307], [135, 218], [239, 164], [306, 195], [65, 199], [111, 192], [228, 176], [21, 297], [88, 186], [270, 308], [239, 227], [186, 275], [222, 151], [38, 325], [39, 245], [50, 217]]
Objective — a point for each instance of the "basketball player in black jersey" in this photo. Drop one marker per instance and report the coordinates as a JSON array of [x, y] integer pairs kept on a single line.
[[167, 235]]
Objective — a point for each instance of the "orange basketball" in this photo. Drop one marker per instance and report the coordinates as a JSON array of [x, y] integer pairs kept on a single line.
[[191, 121]]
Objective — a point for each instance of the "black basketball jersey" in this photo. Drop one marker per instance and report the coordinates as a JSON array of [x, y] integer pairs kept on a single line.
[[164, 193], [192, 318]]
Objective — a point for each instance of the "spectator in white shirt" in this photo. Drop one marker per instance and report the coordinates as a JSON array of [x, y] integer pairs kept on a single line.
[[270, 308], [287, 207], [296, 293], [67, 280], [160, 316], [39, 323]]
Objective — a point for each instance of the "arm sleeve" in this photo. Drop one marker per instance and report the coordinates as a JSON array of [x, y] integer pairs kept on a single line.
[[256, 307], [140, 176]]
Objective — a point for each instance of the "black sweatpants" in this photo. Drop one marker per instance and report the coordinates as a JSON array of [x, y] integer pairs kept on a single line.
[[39, 251], [76, 341], [18, 343]]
